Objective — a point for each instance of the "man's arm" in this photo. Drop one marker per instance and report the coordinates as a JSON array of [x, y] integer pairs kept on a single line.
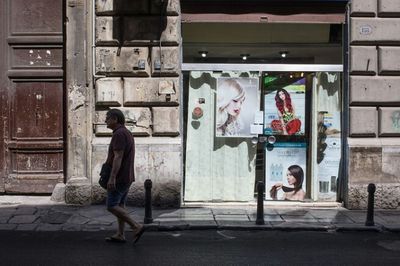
[[118, 154]]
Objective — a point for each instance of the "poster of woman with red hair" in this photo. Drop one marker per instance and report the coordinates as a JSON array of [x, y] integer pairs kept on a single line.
[[284, 107]]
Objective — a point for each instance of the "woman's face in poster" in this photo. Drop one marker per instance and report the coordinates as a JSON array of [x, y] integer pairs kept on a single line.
[[234, 107], [290, 178], [282, 95]]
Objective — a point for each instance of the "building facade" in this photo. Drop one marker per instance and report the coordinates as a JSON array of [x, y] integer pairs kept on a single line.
[[164, 63]]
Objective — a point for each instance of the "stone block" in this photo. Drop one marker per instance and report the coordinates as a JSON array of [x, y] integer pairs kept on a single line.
[[122, 7], [374, 90], [389, 62], [172, 7], [137, 120], [149, 30], [389, 118], [363, 121], [109, 91], [105, 7], [78, 190], [99, 156], [58, 194], [365, 165], [363, 8], [363, 60], [389, 8], [151, 91], [107, 31], [158, 162], [165, 61], [165, 121], [165, 162], [375, 30], [167, 194], [390, 163], [387, 196], [129, 61]]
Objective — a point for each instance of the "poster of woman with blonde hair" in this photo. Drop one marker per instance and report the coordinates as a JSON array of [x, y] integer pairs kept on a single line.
[[236, 104]]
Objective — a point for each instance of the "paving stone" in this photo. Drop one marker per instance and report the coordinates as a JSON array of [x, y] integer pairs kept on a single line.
[[228, 211], [23, 219], [306, 216], [106, 219], [27, 227], [100, 223], [267, 211], [180, 212], [267, 218], [334, 220], [97, 227], [299, 219], [225, 223], [49, 227], [4, 219], [187, 218], [6, 212], [55, 217], [93, 211], [231, 217], [202, 224], [7, 227], [77, 219], [292, 212], [25, 211], [71, 227], [325, 213]]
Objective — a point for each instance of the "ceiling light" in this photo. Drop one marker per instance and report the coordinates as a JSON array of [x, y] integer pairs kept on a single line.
[[203, 53], [283, 53], [244, 56]]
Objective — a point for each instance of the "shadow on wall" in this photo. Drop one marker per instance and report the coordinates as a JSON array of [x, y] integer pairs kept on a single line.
[[133, 23]]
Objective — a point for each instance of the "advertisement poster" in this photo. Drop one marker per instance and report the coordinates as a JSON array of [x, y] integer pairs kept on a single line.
[[286, 171], [284, 105], [237, 103], [328, 154]]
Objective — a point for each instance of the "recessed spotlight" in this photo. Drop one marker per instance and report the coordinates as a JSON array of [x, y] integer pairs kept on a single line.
[[283, 53], [244, 56], [203, 53]]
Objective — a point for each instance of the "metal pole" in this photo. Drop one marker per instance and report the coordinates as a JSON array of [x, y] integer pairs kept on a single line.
[[260, 203], [370, 210], [147, 204]]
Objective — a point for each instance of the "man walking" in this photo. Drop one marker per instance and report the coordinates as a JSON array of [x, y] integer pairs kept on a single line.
[[121, 156]]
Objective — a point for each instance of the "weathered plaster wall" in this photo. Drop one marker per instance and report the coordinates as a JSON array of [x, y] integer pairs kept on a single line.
[[374, 143], [138, 71]]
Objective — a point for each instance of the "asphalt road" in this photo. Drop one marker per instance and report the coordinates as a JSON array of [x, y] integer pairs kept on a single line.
[[208, 247]]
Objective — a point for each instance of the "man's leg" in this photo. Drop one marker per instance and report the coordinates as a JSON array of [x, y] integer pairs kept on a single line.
[[116, 205], [124, 217]]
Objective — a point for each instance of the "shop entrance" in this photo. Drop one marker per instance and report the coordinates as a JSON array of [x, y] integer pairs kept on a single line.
[[262, 124]]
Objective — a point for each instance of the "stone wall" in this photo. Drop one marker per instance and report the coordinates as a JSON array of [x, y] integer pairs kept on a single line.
[[138, 71], [374, 98]]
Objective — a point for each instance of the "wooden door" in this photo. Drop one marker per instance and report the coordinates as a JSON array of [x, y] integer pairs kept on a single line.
[[32, 95]]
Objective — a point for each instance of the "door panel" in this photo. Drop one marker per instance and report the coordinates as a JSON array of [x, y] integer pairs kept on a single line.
[[36, 112], [32, 143]]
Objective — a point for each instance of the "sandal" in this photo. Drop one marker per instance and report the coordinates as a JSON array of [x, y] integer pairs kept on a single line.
[[139, 234], [115, 239]]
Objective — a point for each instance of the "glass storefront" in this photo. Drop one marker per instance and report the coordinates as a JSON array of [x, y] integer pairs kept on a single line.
[[279, 127]]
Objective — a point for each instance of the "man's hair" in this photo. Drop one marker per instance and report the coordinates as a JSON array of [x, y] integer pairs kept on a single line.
[[116, 113]]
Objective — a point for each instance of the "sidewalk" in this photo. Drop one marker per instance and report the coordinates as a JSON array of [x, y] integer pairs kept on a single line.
[[41, 214]]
